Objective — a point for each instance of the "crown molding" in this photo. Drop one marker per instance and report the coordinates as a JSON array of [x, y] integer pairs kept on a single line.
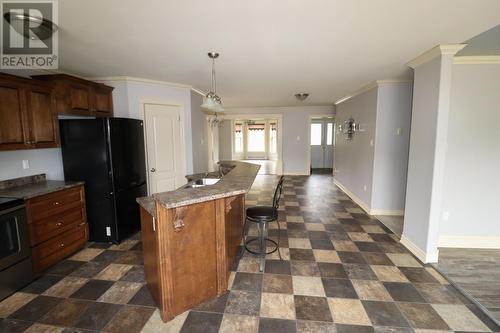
[[443, 49], [476, 60], [370, 86], [137, 79]]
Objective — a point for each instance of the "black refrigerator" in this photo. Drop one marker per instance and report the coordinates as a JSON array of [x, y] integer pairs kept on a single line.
[[108, 154]]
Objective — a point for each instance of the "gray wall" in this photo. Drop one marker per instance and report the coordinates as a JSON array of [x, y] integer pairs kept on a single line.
[[48, 161], [200, 135], [295, 132], [354, 158], [472, 179], [391, 150], [225, 148], [426, 92]]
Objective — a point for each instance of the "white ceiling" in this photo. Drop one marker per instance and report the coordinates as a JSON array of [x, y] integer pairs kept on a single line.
[[270, 49]]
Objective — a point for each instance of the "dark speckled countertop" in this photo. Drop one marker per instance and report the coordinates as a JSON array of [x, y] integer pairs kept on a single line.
[[237, 181], [33, 186]]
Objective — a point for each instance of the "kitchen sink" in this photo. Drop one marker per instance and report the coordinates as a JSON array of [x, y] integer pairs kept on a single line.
[[202, 182]]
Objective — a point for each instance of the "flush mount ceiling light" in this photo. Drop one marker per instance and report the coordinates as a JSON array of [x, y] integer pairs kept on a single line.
[[301, 96], [38, 28], [211, 101]]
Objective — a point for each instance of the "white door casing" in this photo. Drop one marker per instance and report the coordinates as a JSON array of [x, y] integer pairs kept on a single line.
[[322, 150], [165, 147]]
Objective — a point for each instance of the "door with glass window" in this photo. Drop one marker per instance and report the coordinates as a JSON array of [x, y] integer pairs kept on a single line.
[[322, 143]]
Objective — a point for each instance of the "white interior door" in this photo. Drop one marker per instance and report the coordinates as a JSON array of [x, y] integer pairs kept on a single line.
[[322, 143], [165, 147]]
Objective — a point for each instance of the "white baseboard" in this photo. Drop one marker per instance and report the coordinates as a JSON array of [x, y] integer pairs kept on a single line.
[[418, 252], [387, 212], [353, 196], [296, 173], [364, 205], [472, 242]]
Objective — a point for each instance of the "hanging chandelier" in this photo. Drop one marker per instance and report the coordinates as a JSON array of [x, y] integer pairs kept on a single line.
[[211, 101]]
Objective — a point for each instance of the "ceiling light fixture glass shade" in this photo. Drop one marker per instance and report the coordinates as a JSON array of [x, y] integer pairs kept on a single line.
[[212, 102]]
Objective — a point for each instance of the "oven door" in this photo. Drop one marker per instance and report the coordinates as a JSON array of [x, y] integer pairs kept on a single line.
[[14, 242]]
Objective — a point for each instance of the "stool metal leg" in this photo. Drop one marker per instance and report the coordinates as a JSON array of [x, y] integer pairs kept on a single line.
[[263, 245]]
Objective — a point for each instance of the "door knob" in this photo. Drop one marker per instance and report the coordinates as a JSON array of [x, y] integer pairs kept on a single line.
[[153, 169]]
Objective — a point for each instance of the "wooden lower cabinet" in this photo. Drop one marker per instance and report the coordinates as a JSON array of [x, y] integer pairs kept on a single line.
[[57, 225], [188, 252]]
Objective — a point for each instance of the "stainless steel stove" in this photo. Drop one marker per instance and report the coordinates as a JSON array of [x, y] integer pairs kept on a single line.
[[15, 252]]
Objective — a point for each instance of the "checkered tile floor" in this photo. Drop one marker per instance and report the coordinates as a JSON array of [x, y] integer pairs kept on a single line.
[[342, 271]]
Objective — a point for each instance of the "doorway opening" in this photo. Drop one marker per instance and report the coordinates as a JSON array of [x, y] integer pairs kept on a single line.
[[322, 139], [255, 140]]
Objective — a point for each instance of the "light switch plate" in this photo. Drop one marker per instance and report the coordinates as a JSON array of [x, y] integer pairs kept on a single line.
[[26, 164]]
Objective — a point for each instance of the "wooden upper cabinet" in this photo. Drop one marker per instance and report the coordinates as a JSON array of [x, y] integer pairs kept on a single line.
[[29, 107], [27, 114], [13, 121], [79, 98], [75, 96], [103, 99], [44, 129]]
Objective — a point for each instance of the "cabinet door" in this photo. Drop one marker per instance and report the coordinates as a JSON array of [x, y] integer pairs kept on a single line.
[[43, 119], [103, 100], [79, 97], [13, 121]]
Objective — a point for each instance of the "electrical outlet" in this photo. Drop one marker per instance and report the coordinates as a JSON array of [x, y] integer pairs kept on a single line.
[[26, 164], [399, 131], [108, 231], [446, 215]]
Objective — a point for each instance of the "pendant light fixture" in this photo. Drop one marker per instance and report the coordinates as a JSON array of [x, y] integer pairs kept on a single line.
[[211, 101]]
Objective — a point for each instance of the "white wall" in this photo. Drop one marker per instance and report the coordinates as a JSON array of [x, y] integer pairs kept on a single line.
[[130, 94], [225, 147], [200, 135], [391, 148], [295, 132], [48, 161], [472, 179], [372, 166]]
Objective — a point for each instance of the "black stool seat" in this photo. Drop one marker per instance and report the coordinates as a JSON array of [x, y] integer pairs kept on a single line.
[[261, 213]]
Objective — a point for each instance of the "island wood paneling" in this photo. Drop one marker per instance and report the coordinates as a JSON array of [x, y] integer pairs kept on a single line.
[[188, 251]]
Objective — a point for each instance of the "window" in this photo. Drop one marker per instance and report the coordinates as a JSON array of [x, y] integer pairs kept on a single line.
[[238, 137], [273, 143], [316, 134], [329, 134], [256, 137]]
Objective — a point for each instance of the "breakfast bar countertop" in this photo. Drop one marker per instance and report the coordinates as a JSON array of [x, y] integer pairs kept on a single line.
[[237, 181]]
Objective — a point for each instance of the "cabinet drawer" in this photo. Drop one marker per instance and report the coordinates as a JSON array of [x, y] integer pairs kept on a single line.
[[54, 203], [50, 252], [54, 225]]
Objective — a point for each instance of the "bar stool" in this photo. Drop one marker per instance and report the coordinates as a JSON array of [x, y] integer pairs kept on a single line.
[[263, 215]]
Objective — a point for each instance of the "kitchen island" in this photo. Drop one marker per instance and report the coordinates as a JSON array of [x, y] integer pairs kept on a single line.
[[191, 237]]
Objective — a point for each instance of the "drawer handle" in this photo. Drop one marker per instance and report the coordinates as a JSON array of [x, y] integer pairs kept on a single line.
[[61, 245], [56, 203], [58, 224]]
